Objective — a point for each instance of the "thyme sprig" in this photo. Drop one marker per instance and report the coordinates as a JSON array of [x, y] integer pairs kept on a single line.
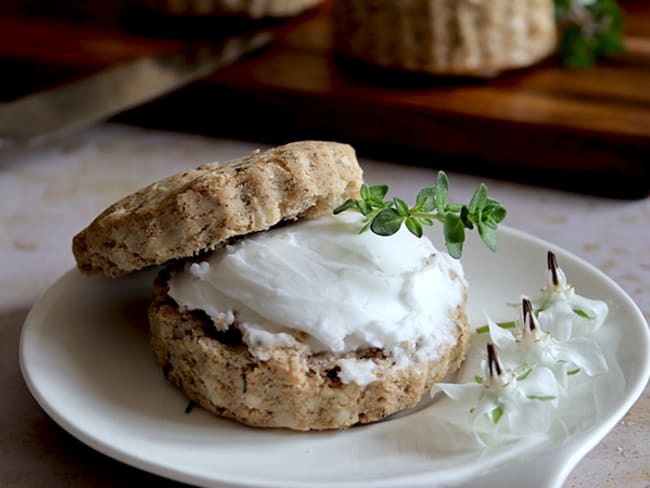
[[589, 30], [385, 217]]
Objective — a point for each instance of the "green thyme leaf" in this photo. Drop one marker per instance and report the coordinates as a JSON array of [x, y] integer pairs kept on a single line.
[[488, 235], [494, 211], [453, 207], [378, 192], [479, 199], [364, 191], [573, 372], [441, 190], [401, 206], [348, 205], [454, 235], [425, 201], [387, 222], [478, 379], [455, 250], [365, 206], [414, 226]]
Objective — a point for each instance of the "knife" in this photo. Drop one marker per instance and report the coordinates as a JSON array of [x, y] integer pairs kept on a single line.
[[50, 113]]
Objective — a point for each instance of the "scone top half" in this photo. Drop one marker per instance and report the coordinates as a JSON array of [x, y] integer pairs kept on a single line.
[[200, 209]]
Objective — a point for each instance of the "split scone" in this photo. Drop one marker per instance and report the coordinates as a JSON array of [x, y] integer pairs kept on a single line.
[[272, 310], [453, 37]]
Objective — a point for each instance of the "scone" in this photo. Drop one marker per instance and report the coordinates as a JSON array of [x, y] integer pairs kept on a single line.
[[254, 9], [452, 37], [273, 311], [199, 209]]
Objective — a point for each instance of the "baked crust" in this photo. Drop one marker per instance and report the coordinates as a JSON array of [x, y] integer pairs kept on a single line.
[[197, 210], [293, 388], [453, 37]]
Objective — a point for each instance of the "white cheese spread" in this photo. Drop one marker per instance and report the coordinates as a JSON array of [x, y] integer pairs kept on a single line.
[[322, 283]]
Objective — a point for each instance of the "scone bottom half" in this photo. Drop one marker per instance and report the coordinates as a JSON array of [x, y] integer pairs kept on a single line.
[[200, 209], [292, 389]]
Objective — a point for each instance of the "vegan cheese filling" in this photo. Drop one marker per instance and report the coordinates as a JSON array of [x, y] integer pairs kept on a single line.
[[322, 283]]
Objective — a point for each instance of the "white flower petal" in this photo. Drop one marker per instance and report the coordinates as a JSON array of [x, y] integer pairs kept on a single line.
[[585, 353], [541, 384], [560, 370], [530, 418], [557, 319], [502, 338], [466, 392], [565, 314], [484, 407], [596, 311]]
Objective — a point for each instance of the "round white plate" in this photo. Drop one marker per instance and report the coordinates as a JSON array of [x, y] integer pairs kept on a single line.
[[86, 359]]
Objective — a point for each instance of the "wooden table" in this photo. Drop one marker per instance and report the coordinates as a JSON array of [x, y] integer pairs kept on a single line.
[[588, 131]]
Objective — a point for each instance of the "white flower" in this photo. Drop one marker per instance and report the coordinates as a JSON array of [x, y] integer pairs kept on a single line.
[[501, 407], [546, 361], [531, 347], [563, 312]]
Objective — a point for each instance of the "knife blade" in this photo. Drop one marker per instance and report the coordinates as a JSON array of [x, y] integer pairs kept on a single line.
[[43, 115]]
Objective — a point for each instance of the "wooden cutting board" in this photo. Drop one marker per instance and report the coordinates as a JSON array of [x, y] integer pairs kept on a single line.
[[588, 130]]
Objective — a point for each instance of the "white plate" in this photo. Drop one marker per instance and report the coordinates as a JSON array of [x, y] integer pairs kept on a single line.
[[86, 359]]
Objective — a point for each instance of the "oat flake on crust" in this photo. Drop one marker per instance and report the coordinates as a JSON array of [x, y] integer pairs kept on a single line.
[[199, 209]]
